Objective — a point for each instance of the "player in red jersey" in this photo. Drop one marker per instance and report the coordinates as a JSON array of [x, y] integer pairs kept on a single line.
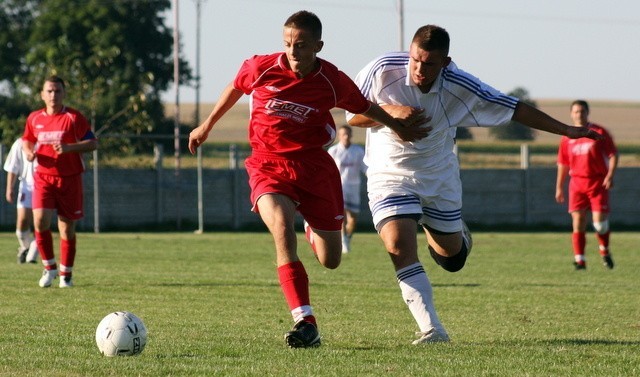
[[292, 93], [56, 136], [592, 165]]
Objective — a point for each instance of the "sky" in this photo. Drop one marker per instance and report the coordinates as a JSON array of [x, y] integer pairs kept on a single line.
[[555, 49]]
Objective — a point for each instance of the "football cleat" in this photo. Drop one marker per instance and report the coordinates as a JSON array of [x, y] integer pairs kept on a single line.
[[607, 261], [22, 255], [47, 278], [304, 335], [66, 282], [431, 336], [580, 266]]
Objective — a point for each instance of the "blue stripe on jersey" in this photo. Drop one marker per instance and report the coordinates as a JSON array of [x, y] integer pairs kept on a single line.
[[394, 201], [443, 215], [410, 272], [394, 60], [474, 87]]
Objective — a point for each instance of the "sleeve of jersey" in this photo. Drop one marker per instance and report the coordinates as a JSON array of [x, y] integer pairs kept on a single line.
[[13, 164], [487, 106], [83, 129], [349, 97], [610, 148], [360, 83], [246, 76]]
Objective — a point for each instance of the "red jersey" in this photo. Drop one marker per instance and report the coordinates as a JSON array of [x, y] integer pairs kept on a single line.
[[291, 114], [586, 157], [67, 126]]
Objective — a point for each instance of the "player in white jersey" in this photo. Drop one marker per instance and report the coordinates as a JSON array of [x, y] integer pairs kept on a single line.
[[349, 159], [418, 182], [19, 169]]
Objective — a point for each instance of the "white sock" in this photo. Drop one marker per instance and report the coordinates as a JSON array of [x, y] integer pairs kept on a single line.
[[418, 295], [24, 238], [32, 254]]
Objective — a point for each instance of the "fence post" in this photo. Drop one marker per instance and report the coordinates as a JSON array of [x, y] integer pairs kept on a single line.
[[158, 155], [526, 182]]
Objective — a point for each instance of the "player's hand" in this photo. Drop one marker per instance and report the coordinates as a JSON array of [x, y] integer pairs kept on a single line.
[[59, 148], [578, 132], [9, 195], [559, 196], [412, 132], [197, 137]]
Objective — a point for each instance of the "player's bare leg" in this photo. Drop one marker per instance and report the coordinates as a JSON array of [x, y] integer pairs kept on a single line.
[[24, 219], [348, 227]]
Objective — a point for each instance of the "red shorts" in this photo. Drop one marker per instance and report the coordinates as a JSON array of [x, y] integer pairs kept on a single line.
[[313, 182], [588, 194], [61, 193]]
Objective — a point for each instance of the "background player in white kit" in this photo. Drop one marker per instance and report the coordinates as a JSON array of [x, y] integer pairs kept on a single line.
[[412, 183], [19, 169], [349, 159]]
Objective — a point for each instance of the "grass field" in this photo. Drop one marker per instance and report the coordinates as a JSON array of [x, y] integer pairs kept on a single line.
[[213, 307]]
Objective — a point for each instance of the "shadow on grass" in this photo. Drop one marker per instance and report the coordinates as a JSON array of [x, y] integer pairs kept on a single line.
[[453, 285], [590, 342]]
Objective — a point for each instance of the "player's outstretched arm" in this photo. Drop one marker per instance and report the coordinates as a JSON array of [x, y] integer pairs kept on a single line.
[[405, 121], [228, 98], [534, 118]]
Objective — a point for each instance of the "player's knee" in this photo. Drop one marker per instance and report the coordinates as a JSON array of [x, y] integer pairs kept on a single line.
[[453, 263], [601, 227]]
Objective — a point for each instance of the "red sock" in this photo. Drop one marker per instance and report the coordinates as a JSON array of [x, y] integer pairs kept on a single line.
[[67, 256], [295, 286], [603, 241], [579, 240], [44, 240]]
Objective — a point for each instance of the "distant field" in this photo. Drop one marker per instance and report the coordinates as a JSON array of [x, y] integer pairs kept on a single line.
[[621, 118]]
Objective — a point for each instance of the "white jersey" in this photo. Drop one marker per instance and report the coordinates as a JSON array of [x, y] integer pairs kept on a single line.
[[350, 163], [456, 99], [18, 164]]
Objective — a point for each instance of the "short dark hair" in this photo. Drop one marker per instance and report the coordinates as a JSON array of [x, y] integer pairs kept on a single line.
[[432, 38], [580, 102], [57, 80], [306, 20]]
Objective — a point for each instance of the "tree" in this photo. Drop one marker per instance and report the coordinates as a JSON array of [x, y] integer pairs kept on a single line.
[[15, 23], [115, 57], [515, 130]]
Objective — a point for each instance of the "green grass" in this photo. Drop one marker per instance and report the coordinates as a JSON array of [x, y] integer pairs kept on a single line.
[[213, 306]]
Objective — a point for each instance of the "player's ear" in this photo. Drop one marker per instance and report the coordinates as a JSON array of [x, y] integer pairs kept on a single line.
[[319, 46], [447, 60]]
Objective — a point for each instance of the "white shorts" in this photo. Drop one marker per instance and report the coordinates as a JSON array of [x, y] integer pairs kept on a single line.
[[434, 196], [351, 195], [25, 195]]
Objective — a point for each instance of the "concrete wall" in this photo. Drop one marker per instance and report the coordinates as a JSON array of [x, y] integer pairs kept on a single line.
[[131, 199]]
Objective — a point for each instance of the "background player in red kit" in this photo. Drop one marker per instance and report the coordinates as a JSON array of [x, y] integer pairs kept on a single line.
[[289, 170], [591, 165], [56, 136]]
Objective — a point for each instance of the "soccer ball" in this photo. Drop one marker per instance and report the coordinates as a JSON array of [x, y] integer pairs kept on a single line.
[[121, 334]]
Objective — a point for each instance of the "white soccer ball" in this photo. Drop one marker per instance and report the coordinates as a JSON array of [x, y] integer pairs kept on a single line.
[[121, 334]]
